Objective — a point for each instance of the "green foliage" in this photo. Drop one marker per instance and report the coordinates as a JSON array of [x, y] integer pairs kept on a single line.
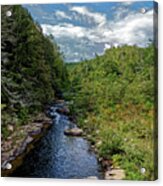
[[33, 71], [112, 143], [23, 115], [113, 95], [113, 98], [5, 132]]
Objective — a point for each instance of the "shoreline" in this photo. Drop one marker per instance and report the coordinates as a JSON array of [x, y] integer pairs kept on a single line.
[[14, 150], [109, 171], [41, 125]]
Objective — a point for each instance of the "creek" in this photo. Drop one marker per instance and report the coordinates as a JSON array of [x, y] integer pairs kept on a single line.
[[59, 156]]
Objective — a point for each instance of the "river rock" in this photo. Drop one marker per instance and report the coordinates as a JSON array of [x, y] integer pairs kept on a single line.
[[34, 132], [73, 132], [60, 101], [115, 174], [63, 110], [10, 128], [8, 166], [99, 143], [39, 125], [29, 139]]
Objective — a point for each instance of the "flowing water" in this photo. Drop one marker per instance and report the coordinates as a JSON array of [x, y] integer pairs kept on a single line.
[[60, 156]]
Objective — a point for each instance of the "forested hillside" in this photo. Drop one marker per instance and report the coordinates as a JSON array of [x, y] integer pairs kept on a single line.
[[33, 71], [114, 99]]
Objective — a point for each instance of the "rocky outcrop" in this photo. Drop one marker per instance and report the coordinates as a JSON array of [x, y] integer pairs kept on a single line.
[[115, 174], [111, 172], [73, 132], [20, 142]]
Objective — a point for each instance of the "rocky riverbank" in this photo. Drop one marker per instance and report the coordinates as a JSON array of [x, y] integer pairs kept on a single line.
[[110, 171], [24, 138], [21, 141]]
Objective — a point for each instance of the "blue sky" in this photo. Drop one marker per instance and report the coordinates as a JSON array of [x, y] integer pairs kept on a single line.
[[85, 29]]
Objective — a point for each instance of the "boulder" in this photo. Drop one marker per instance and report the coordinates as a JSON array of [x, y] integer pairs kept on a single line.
[[7, 166], [99, 143], [115, 174], [73, 132], [29, 139], [63, 110], [10, 128], [60, 101], [34, 132]]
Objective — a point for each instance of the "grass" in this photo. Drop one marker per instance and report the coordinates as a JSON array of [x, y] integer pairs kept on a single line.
[[123, 134], [114, 101]]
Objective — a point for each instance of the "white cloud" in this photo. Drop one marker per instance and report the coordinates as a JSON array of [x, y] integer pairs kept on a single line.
[[135, 28], [121, 12], [128, 3], [62, 15], [76, 53], [64, 30], [98, 18], [80, 9], [107, 46]]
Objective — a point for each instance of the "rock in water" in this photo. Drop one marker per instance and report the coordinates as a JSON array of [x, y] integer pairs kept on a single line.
[[73, 132], [63, 110]]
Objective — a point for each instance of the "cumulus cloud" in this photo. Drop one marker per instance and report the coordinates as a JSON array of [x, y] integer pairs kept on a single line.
[[121, 12], [107, 46], [135, 28], [98, 18], [61, 15], [64, 30], [127, 3]]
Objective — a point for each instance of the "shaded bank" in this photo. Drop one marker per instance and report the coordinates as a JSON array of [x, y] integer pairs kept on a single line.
[[23, 140]]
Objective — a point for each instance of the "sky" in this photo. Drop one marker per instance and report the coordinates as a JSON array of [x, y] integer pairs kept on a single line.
[[83, 30]]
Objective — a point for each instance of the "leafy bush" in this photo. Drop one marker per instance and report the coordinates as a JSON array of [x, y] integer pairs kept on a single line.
[[115, 94]]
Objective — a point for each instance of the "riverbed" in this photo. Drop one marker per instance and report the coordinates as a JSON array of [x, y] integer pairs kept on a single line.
[[60, 156]]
